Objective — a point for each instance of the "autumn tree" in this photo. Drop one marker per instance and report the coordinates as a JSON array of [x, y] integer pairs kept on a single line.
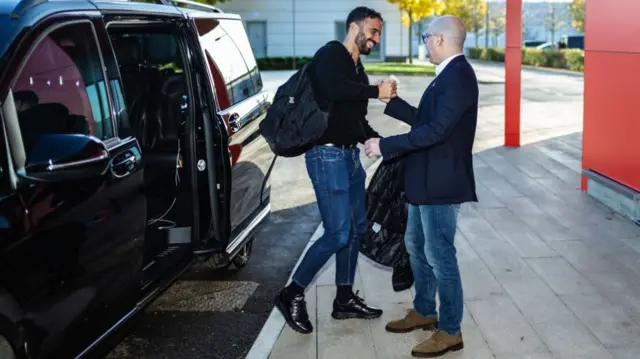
[[497, 23], [555, 19], [577, 14], [416, 10], [471, 12]]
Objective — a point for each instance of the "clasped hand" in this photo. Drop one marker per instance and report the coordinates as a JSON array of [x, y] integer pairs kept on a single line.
[[372, 147], [387, 90]]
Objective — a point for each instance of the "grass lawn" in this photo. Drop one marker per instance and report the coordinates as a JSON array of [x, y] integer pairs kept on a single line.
[[399, 68]]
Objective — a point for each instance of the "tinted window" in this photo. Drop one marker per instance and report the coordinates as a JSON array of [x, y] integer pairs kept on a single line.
[[238, 33], [7, 32], [152, 72], [120, 106], [229, 63], [3, 155], [61, 88]]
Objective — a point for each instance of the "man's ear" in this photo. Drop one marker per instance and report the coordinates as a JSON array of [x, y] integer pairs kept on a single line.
[[353, 27], [439, 40]]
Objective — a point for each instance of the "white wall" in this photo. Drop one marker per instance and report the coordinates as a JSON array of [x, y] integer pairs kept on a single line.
[[315, 23]]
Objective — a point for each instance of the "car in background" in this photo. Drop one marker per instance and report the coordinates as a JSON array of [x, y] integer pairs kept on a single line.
[[532, 43], [129, 150], [547, 46]]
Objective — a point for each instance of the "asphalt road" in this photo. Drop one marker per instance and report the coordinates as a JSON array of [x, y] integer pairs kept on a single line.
[[219, 314]]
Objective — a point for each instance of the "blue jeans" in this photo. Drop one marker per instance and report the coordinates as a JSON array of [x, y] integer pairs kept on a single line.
[[339, 183], [429, 240]]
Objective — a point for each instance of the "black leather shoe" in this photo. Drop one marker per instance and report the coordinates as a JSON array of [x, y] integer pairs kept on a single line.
[[294, 311], [354, 308]]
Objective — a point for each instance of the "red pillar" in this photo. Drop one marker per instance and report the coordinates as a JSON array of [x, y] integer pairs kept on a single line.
[[513, 65]]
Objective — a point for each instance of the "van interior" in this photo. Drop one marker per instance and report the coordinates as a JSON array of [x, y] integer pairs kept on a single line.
[[156, 94]]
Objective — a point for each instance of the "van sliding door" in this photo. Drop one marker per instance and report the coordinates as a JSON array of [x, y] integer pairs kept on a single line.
[[242, 105]]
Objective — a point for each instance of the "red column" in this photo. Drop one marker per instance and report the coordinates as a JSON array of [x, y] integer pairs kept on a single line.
[[512, 67]]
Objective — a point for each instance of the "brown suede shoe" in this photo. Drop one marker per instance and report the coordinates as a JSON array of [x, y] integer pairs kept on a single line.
[[411, 322], [438, 344]]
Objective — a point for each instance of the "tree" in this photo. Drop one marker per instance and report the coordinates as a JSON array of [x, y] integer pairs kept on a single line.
[[555, 19], [497, 22], [471, 12], [577, 14], [416, 10], [527, 32]]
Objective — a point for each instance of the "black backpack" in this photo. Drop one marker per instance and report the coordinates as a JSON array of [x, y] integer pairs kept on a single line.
[[294, 121]]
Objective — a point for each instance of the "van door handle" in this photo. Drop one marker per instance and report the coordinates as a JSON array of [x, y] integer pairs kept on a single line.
[[123, 164], [234, 122]]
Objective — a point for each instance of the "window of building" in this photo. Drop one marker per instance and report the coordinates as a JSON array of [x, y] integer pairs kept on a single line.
[[340, 30], [61, 89]]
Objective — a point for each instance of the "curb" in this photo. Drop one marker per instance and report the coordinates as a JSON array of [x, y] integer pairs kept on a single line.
[[270, 332]]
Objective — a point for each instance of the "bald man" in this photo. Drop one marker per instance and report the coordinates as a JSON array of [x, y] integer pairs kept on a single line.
[[438, 179]]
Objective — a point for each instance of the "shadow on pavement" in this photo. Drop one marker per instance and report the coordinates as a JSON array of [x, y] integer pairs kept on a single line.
[[218, 314]]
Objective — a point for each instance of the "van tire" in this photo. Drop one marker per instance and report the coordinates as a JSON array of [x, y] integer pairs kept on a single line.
[[242, 258]]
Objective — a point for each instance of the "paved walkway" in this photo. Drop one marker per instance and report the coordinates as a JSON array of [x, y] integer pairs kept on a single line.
[[548, 273]]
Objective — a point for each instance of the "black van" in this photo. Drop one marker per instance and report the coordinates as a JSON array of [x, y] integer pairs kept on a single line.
[[129, 149]]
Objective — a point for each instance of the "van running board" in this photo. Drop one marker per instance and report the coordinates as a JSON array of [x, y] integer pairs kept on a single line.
[[162, 263]]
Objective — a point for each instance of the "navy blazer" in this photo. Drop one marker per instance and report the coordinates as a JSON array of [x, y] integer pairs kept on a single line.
[[438, 149]]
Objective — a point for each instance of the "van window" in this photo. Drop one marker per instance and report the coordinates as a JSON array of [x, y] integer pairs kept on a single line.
[[229, 63], [3, 155], [61, 88], [238, 33]]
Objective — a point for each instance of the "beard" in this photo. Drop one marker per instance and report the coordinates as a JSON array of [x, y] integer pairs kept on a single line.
[[361, 42]]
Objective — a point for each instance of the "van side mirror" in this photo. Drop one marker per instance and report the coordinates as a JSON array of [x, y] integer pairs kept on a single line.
[[66, 157]]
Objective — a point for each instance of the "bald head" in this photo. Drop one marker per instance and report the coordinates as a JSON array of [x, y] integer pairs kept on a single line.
[[446, 38], [452, 29]]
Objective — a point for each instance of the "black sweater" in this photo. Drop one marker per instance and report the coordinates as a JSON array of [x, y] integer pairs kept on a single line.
[[339, 81]]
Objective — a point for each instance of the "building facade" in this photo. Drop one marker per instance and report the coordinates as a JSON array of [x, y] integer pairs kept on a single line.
[[283, 28]]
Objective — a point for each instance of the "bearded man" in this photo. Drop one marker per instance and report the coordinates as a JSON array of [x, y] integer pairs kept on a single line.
[[342, 88]]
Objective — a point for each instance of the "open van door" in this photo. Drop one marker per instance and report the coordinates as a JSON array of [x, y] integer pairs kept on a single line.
[[241, 104], [213, 165]]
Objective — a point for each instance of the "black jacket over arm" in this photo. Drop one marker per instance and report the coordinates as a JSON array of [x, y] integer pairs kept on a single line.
[[344, 84], [438, 149]]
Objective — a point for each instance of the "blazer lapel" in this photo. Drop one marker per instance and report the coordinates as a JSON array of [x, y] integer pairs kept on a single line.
[[431, 86], [426, 92]]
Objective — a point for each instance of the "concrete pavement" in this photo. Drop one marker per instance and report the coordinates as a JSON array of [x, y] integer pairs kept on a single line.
[[548, 272]]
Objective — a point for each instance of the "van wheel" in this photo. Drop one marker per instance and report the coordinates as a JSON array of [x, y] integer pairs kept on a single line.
[[242, 258], [6, 351], [218, 262]]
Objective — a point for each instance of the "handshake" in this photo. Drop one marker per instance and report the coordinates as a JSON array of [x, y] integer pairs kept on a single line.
[[387, 89]]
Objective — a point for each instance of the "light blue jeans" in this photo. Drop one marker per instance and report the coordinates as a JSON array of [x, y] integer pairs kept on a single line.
[[339, 183], [429, 239]]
